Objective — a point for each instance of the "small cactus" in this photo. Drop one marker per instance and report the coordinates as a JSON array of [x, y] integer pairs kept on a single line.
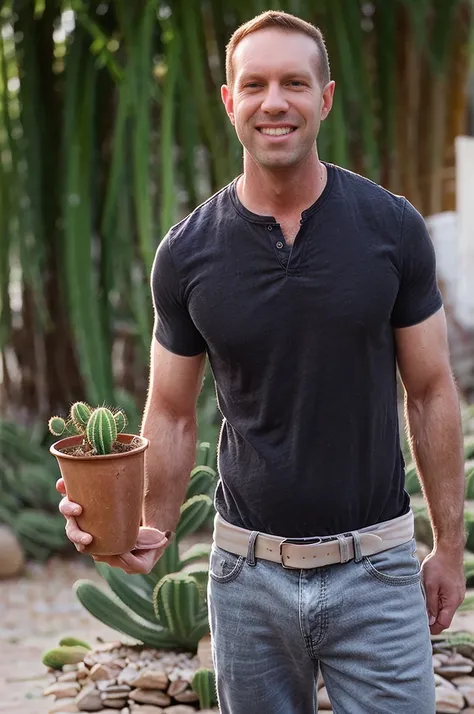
[[99, 427], [59, 656], [204, 684], [57, 425]]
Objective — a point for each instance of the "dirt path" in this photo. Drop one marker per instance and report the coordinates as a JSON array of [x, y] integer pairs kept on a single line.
[[36, 611]]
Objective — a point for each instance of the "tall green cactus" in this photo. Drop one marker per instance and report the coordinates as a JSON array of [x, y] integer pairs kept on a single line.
[[204, 684], [80, 414]]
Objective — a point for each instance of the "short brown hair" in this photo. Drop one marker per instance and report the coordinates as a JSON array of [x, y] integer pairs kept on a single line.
[[283, 21]]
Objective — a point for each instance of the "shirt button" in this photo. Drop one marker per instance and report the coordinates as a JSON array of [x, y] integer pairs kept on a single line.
[[279, 244]]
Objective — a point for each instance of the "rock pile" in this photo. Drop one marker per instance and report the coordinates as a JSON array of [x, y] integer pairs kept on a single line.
[[131, 680], [135, 680]]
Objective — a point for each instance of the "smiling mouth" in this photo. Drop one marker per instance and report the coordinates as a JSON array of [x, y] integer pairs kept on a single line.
[[277, 131]]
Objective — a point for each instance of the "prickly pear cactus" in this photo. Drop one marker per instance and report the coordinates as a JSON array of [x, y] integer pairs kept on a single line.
[[101, 430], [204, 684]]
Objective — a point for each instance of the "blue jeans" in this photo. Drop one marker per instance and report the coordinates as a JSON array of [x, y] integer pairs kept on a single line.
[[363, 624]]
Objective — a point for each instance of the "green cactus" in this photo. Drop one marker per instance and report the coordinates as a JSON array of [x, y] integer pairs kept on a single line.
[[101, 430], [80, 414], [57, 425], [73, 642], [204, 684], [178, 604], [59, 656]]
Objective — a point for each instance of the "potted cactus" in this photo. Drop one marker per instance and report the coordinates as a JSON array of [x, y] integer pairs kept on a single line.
[[103, 469]]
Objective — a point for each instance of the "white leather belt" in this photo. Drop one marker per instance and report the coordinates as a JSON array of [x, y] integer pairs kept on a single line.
[[318, 551]]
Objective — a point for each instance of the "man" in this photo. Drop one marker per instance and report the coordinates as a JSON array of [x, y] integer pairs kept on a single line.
[[306, 285]]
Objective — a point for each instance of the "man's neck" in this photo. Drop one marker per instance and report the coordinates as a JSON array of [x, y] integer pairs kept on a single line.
[[284, 192]]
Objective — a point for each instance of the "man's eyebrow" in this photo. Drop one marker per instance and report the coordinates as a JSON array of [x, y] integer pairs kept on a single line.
[[289, 74]]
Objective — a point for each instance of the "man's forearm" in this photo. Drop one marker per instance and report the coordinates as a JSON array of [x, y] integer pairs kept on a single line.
[[169, 459], [437, 446]]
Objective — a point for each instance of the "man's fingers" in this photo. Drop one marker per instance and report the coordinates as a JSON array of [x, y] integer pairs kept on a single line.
[[61, 486], [68, 508], [75, 535]]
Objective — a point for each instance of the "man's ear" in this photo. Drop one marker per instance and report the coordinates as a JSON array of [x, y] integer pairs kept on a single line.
[[228, 102], [327, 99]]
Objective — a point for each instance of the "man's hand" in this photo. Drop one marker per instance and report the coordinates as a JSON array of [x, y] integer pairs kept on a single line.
[[445, 587], [150, 546]]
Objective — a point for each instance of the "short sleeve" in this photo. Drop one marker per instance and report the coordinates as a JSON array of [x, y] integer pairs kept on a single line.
[[418, 295], [174, 328]]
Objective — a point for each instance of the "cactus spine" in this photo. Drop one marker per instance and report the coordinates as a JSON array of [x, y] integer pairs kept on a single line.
[[204, 684], [101, 430]]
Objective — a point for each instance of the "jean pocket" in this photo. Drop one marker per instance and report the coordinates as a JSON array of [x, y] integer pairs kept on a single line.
[[396, 566], [224, 567]]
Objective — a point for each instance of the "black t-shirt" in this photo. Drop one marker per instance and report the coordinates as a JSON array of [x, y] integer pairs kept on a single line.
[[301, 345]]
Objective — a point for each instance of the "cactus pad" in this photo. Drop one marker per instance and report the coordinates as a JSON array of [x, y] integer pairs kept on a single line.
[[101, 430], [120, 421], [80, 415], [56, 425], [59, 656], [204, 684]]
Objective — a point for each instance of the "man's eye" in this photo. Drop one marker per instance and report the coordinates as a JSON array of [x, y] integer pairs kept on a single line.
[[251, 85], [296, 83]]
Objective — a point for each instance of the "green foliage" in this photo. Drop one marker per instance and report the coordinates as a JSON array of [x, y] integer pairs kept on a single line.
[[28, 496], [73, 642], [165, 608], [59, 656], [204, 684]]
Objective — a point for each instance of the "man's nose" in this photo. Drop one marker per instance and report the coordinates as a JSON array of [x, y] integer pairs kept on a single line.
[[274, 101]]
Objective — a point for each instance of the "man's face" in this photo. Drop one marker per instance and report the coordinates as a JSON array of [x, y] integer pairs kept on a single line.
[[277, 103]]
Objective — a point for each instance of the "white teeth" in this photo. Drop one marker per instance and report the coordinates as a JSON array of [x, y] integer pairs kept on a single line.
[[277, 132]]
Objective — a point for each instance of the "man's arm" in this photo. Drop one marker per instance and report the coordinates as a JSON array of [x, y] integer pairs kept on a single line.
[[434, 427], [169, 423]]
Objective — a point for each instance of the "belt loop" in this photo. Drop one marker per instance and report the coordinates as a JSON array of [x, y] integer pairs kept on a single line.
[[251, 549], [357, 549], [343, 548]]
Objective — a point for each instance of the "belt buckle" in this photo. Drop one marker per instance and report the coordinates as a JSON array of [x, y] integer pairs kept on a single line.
[[295, 541]]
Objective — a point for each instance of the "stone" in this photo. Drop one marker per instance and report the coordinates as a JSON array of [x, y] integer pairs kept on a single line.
[[468, 694], [62, 690], [463, 681], [104, 671], [128, 674], [204, 652], [179, 709], [67, 677], [146, 709], [448, 701], [176, 687], [442, 682], [151, 679], [324, 702], [150, 696], [448, 671], [71, 667], [63, 706], [114, 703], [12, 556], [109, 689], [89, 699], [187, 697]]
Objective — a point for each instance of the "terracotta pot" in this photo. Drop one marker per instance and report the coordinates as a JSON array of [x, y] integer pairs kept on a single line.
[[110, 490]]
